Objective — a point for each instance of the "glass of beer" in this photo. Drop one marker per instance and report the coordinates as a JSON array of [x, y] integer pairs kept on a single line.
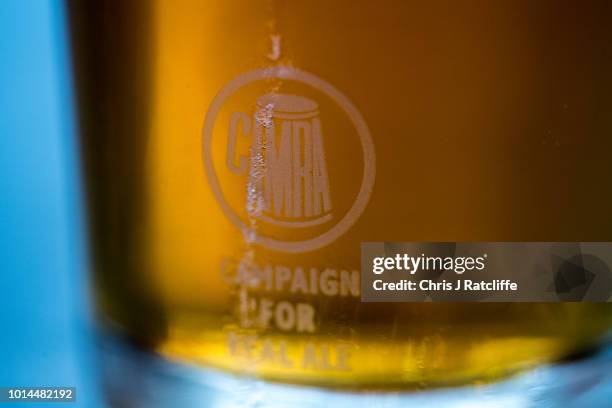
[[236, 154]]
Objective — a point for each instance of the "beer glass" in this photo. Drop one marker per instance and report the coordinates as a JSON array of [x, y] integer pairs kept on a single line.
[[236, 154]]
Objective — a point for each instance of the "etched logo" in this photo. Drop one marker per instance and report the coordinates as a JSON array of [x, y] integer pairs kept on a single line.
[[317, 153], [295, 182]]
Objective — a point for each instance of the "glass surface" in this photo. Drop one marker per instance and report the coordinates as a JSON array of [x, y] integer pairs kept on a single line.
[[132, 377], [237, 154]]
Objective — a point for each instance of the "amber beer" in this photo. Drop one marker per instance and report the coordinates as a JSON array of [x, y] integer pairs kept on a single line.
[[237, 153]]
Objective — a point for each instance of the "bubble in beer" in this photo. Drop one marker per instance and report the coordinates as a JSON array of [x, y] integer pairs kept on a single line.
[[263, 116]]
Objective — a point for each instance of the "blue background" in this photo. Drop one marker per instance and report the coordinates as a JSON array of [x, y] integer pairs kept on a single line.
[[45, 337]]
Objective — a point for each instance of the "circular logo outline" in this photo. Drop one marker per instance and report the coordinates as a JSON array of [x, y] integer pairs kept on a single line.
[[367, 146]]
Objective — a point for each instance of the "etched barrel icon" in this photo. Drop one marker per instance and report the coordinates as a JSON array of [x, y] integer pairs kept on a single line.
[[295, 183]]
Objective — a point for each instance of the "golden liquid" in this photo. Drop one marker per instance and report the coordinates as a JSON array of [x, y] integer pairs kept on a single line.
[[490, 122]]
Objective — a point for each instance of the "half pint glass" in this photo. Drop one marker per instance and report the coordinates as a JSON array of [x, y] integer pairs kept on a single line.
[[236, 154]]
